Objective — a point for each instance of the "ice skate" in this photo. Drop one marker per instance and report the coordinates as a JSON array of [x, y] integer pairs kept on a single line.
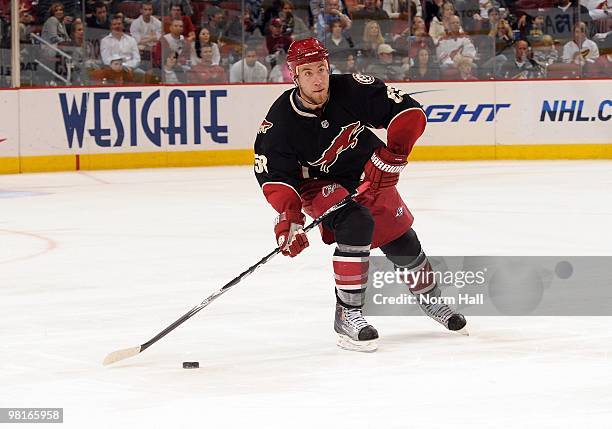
[[441, 312], [354, 332]]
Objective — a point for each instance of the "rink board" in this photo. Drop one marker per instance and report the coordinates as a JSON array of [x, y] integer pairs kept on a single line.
[[55, 129], [9, 131]]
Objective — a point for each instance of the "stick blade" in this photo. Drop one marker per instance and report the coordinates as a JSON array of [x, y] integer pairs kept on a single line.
[[118, 355]]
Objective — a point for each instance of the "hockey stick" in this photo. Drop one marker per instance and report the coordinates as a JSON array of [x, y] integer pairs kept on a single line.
[[133, 351]]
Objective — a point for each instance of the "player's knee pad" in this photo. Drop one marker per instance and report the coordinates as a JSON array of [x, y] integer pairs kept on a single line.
[[404, 249], [408, 257], [353, 225]]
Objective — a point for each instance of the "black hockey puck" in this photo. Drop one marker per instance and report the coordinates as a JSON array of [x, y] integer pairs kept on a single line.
[[190, 365]]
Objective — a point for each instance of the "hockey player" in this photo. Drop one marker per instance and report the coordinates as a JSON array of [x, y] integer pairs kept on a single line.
[[313, 149]]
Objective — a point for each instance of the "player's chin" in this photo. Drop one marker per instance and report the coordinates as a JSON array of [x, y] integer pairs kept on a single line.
[[320, 97]]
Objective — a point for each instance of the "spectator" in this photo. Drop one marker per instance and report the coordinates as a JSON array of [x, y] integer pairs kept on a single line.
[[346, 65], [432, 9], [424, 68], [293, 25], [580, 50], [385, 68], [316, 6], [560, 21], [485, 6], [216, 23], [440, 25], [205, 71], [535, 29], [469, 13], [337, 44], [280, 72], [204, 40], [173, 41], [54, 30], [504, 39], [231, 32], [349, 7], [604, 40], [370, 41], [185, 6], [598, 9], [26, 21], [119, 43], [42, 11], [454, 45], [253, 17], [97, 25], [113, 74], [126, 20], [176, 12], [100, 17], [544, 52], [271, 12], [331, 12], [464, 66], [146, 29], [77, 35], [81, 52], [494, 51], [407, 13], [172, 73], [410, 44], [489, 25], [248, 69], [395, 7], [350, 65], [521, 67], [602, 67], [371, 12], [275, 40]]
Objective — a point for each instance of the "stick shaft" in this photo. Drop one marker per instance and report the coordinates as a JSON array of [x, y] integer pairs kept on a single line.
[[245, 273]]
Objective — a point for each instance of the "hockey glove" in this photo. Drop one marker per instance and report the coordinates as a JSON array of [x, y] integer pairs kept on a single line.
[[290, 234], [383, 169]]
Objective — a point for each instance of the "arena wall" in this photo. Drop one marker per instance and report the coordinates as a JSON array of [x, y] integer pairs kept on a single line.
[[62, 129]]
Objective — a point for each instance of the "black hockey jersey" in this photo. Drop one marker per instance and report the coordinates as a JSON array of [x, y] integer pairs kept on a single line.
[[294, 144]]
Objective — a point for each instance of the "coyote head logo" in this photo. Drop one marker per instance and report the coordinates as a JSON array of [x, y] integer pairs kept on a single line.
[[264, 127]]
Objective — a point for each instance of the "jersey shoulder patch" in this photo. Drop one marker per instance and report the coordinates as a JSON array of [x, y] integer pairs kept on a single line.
[[265, 126], [363, 79]]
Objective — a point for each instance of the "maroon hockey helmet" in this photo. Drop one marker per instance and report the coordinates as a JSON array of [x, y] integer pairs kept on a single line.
[[304, 52]]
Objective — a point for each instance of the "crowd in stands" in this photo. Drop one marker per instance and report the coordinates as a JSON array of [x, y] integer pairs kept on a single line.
[[218, 41]]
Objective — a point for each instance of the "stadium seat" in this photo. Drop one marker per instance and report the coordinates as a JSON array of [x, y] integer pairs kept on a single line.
[[564, 71], [130, 9]]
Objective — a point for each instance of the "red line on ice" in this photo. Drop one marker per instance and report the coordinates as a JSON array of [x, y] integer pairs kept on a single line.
[[50, 245]]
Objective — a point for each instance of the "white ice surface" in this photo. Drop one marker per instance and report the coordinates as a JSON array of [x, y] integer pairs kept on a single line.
[[98, 261]]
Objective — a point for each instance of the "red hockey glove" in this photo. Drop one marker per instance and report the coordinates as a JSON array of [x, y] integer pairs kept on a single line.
[[290, 234], [383, 169]]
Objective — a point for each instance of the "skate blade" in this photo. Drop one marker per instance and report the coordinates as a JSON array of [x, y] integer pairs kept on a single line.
[[463, 331], [346, 343]]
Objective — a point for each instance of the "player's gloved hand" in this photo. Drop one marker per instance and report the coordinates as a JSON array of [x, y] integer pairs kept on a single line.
[[290, 234], [383, 168]]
